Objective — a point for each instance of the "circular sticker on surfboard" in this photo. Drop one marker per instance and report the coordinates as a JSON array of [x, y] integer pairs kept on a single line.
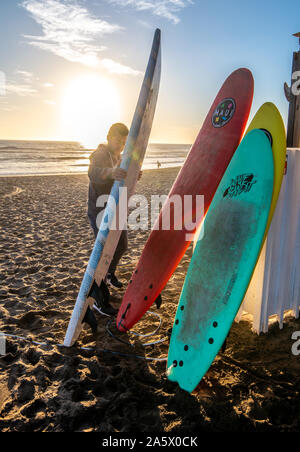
[[223, 113]]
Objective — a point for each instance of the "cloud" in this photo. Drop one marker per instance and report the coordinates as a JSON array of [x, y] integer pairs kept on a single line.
[[2, 84], [4, 108], [145, 24], [50, 102], [21, 85], [25, 75], [116, 68], [167, 9], [20, 89], [69, 30]]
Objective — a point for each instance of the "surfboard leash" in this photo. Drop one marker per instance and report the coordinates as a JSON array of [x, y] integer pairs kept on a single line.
[[89, 349], [139, 334]]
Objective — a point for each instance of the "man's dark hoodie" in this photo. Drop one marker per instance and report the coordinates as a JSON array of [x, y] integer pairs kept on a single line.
[[100, 174]]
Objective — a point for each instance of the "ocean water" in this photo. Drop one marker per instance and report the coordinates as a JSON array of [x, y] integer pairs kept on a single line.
[[24, 158]]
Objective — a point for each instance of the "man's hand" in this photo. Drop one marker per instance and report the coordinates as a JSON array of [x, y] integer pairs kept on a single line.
[[118, 173]]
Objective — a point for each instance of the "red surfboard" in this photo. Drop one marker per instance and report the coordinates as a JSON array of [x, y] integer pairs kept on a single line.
[[201, 174]]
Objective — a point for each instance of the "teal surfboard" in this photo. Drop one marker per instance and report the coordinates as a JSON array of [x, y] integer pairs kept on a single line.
[[223, 261]]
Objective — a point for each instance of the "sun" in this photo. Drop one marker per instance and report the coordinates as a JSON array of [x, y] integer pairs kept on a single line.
[[90, 105]]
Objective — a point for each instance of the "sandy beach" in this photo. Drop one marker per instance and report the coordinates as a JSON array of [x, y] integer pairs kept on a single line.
[[45, 244]]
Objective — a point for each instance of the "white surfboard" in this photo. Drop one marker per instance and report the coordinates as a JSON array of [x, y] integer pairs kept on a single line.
[[133, 156]]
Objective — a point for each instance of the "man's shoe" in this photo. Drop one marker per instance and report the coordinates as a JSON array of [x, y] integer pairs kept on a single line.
[[104, 308], [101, 297], [113, 281]]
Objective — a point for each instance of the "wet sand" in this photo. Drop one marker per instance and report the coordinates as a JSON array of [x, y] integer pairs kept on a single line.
[[45, 243]]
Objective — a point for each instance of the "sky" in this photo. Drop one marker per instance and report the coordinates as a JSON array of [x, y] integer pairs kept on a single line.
[[70, 68]]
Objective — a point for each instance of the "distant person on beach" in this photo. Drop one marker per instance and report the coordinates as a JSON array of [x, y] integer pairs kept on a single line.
[[104, 169], [158, 164]]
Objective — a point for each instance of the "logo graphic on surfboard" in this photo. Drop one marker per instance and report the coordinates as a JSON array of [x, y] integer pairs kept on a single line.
[[241, 184], [223, 113]]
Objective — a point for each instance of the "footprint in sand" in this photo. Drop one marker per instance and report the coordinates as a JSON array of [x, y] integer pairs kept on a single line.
[[31, 320], [15, 192]]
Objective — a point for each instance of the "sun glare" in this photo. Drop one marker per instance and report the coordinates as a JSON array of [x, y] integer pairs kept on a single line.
[[89, 106]]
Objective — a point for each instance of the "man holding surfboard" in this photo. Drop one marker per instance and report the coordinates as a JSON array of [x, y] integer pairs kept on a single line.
[[103, 171], [93, 287]]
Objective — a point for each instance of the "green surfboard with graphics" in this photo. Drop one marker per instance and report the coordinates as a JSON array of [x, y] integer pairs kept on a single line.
[[223, 261]]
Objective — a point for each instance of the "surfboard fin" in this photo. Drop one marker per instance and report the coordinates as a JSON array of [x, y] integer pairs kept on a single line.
[[158, 301], [90, 319], [223, 349]]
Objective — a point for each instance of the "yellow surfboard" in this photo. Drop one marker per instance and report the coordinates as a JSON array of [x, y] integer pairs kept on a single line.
[[269, 119]]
